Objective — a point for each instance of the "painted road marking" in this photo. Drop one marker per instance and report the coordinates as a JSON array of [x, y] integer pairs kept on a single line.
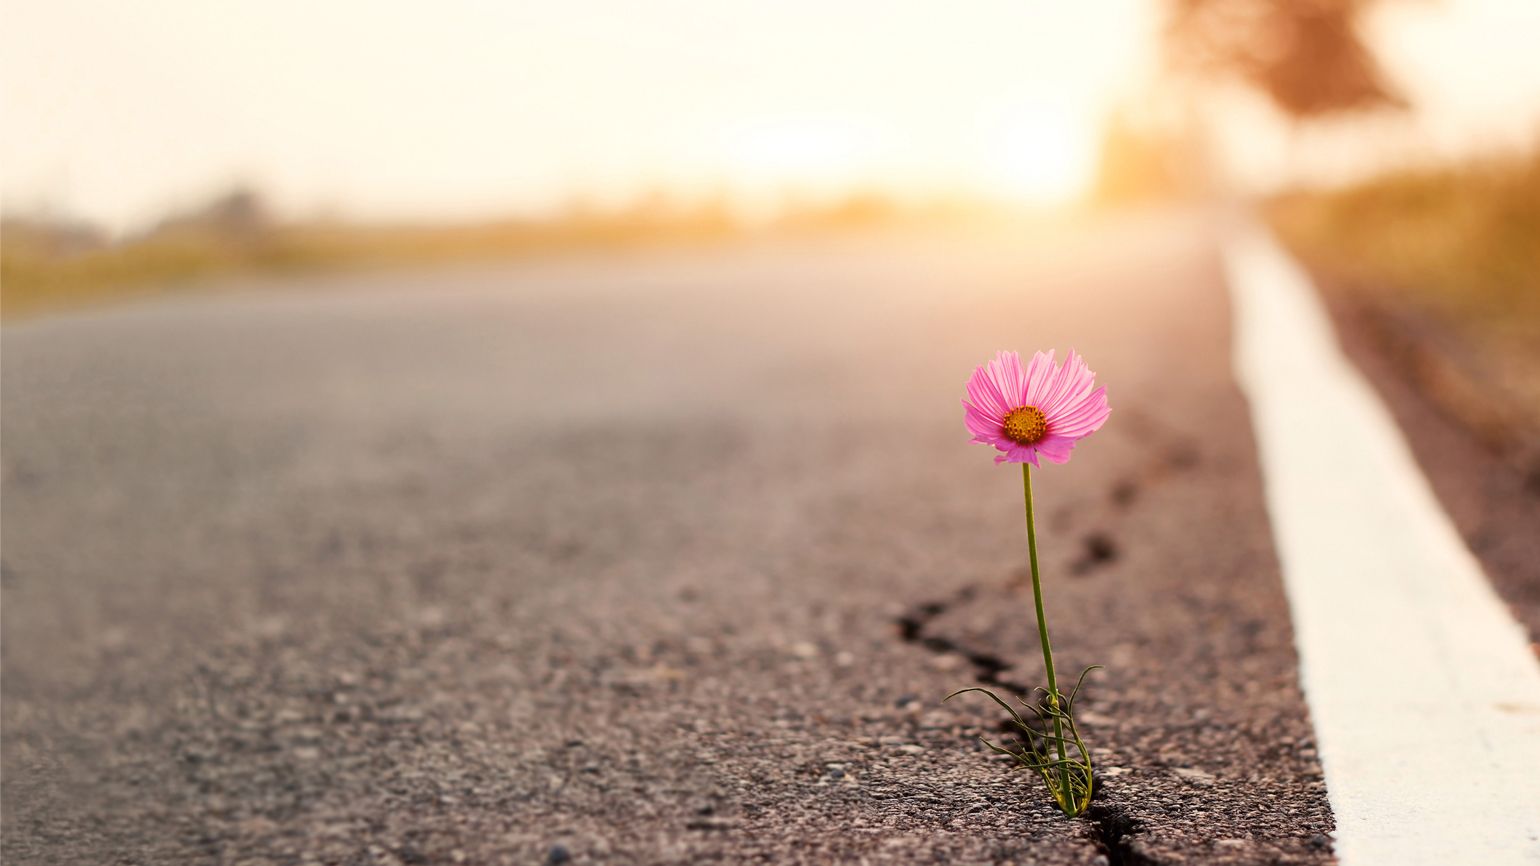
[[1424, 692]]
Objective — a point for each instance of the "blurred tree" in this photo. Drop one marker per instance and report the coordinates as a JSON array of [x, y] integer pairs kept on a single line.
[[239, 213], [1307, 56]]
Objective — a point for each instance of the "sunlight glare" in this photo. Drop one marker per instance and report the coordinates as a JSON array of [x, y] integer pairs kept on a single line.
[[1046, 156]]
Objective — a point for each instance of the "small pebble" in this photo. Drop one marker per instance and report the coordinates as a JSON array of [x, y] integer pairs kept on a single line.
[[1195, 776]]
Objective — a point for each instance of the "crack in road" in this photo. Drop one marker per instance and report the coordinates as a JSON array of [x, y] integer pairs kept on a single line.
[[1111, 829], [987, 667], [1099, 549]]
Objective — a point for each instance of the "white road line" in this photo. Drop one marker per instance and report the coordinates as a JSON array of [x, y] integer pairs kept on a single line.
[[1424, 693]]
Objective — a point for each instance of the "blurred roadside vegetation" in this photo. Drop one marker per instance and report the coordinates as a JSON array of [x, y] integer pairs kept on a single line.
[[1444, 266], [52, 265], [48, 266], [1438, 268]]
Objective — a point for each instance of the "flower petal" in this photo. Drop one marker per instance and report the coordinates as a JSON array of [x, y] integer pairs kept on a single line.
[[1039, 375], [985, 395], [1056, 448], [1015, 453], [1008, 377], [1085, 418], [980, 423], [1075, 380]]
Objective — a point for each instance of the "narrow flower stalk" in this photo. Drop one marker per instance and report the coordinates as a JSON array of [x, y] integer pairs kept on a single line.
[[1042, 632], [1028, 414]]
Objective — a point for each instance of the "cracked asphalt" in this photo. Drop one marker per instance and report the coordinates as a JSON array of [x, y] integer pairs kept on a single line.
[[659, 558]]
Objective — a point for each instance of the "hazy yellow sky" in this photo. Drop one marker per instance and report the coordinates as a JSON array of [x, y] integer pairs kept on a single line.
[[460, 108]]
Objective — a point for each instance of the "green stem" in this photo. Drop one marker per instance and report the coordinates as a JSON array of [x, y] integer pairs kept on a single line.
[[1042, 629]]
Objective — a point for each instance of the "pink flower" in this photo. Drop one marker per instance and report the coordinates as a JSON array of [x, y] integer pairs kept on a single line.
[[1042, 410]]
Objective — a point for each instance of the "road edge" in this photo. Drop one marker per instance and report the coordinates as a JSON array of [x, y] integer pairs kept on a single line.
[[1421, 685]]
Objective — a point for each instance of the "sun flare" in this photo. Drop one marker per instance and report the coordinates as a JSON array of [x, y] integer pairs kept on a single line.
[[1045, 155]]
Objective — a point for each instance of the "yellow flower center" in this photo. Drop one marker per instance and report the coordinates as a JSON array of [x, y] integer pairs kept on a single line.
[[1025, 426]]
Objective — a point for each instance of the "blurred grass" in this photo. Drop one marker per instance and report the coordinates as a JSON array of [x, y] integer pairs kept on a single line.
[[49, 267], [1464, 240], [36, 276], [1447, 263]]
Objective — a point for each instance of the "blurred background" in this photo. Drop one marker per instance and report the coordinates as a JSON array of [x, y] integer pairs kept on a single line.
[[1393, 142], [152, 147], [168, 140]]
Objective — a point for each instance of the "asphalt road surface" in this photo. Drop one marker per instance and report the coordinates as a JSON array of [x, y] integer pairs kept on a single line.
[[660, 558]]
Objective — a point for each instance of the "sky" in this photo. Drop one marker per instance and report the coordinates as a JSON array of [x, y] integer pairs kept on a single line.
[[118, 112]]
